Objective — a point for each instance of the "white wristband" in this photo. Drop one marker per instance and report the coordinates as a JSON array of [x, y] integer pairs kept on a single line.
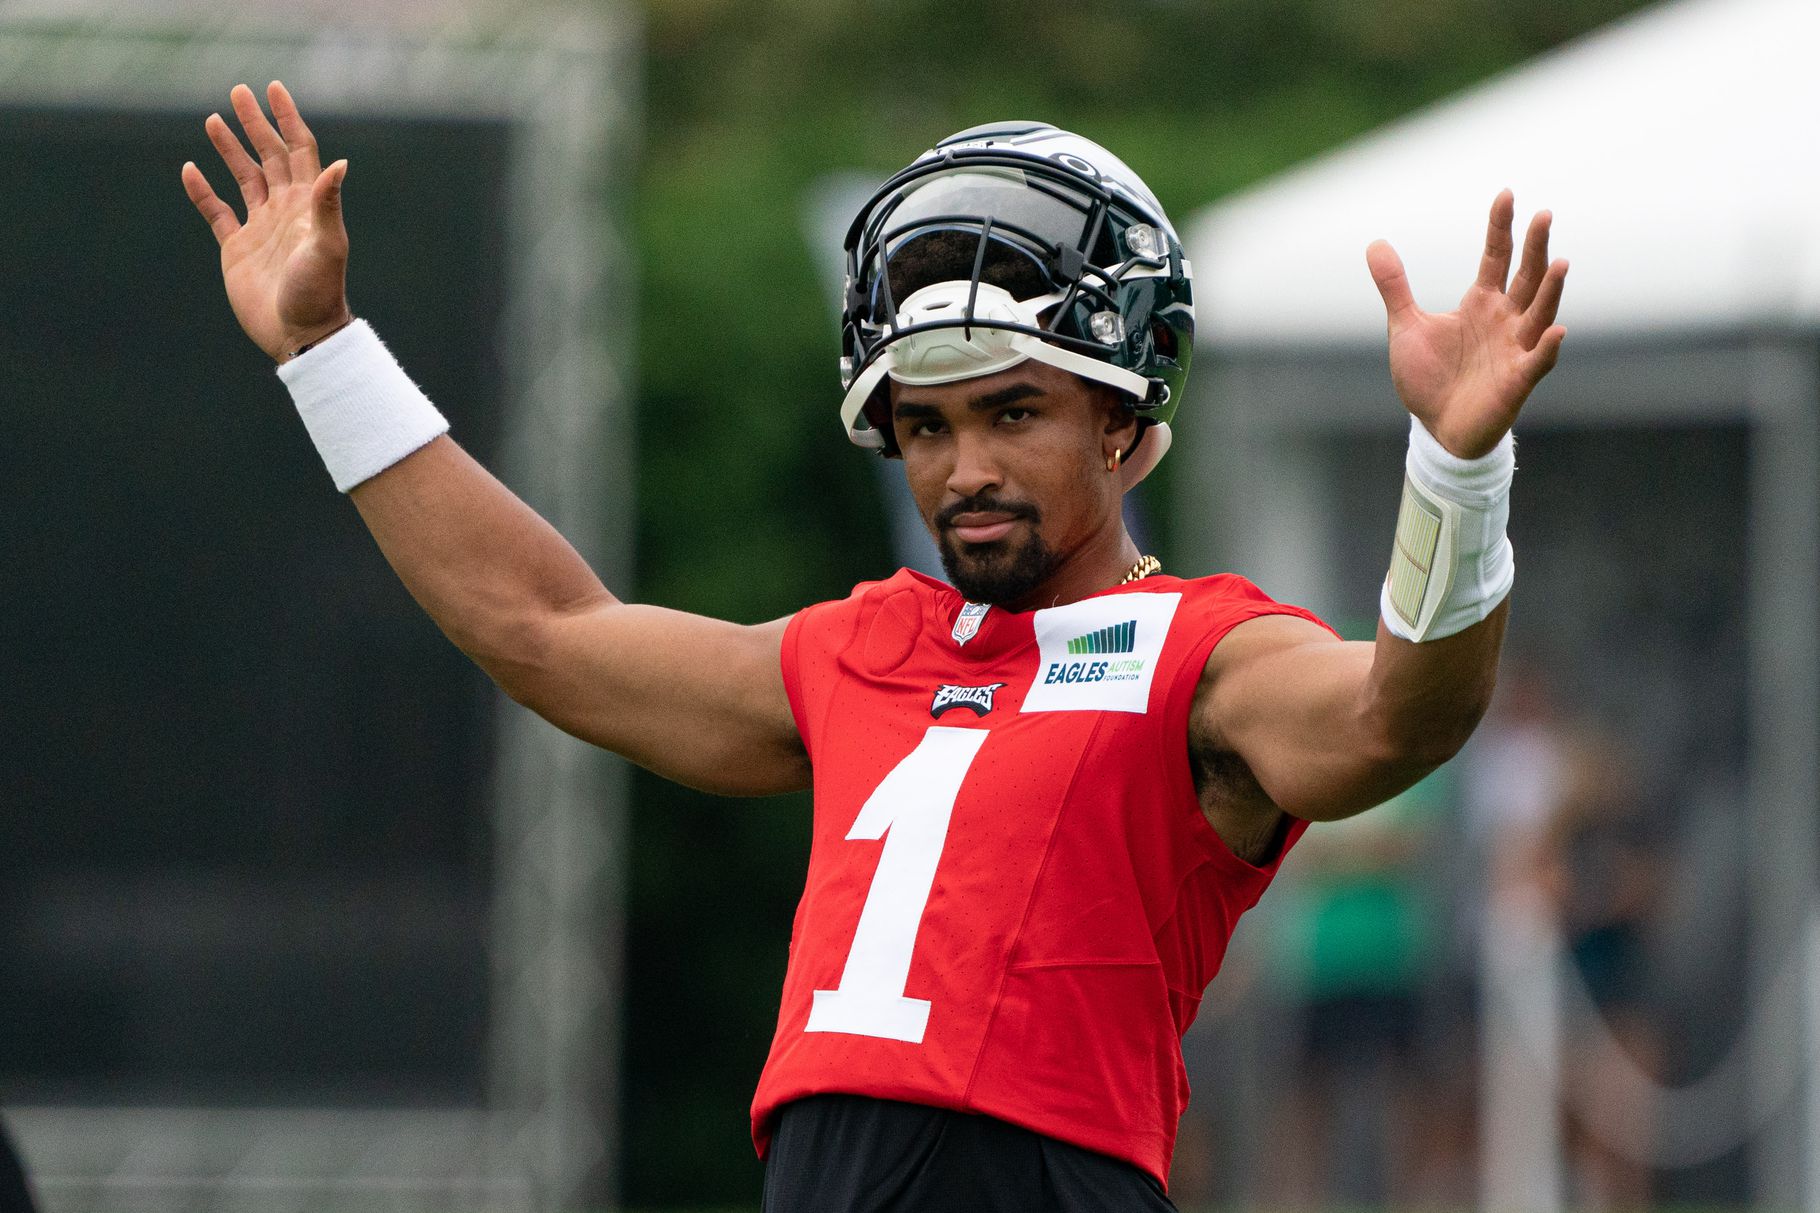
[[1452, 564], [362, 411]]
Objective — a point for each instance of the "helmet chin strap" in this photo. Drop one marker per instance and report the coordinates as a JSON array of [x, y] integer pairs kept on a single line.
[[979, 347]]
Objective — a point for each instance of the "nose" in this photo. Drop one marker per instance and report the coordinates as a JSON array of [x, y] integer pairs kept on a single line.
[[975, 469]]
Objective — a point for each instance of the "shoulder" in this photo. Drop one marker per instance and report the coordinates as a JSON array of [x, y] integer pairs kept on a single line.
[[845, 642], [1223, 587], [1244, 661], [1214, 607], [901, 602], [903, 589], [1210, 616], [1233, 624]]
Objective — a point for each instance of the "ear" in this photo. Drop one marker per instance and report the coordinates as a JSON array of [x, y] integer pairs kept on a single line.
[[1121, 425]]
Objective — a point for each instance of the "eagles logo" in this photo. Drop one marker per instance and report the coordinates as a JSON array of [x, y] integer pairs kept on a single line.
[[978, 700]]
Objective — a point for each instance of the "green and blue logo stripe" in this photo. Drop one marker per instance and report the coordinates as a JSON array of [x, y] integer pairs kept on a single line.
[[1119, 638]]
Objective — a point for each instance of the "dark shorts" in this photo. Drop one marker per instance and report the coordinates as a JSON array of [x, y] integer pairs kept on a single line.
[[853, 1154]]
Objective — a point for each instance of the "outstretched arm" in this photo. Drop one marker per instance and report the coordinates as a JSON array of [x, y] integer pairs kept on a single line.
[[695, 699], [1328, 728]]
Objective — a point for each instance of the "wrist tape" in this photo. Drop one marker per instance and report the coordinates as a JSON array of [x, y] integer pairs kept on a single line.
[[361, 410], [1452, 563]]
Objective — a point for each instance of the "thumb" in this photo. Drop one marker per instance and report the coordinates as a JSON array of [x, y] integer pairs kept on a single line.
[[325, 196], [1393, 284]]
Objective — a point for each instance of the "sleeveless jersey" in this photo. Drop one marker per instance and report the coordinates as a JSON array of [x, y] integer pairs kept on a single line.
[[1013, 902]]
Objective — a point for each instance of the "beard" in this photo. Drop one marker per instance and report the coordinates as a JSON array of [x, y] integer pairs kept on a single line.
[[1003, 571]]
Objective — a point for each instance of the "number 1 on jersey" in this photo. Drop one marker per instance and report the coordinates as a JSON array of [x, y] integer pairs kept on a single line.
[[910, 810]]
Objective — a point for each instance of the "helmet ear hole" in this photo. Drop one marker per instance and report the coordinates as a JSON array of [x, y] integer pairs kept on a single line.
[[877, 411], [1163, 338]]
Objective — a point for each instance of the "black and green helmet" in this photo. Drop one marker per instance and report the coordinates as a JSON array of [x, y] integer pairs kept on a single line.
[[1008, 241]]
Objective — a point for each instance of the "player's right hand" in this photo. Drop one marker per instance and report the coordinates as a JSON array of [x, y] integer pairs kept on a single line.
[[285, 267]]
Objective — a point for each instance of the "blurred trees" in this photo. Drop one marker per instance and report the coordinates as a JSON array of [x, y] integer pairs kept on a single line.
[[751, 502]]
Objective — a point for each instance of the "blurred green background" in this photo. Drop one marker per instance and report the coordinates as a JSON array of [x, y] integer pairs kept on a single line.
[[747, 106]]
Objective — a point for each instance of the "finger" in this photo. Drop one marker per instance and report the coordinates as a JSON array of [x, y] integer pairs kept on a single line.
[[1541, 313], [325, 199], [273, 157], [1393, 284], [218, 214], [1535, 260], [1541, 360], [305, 159], [1494, 266], [246, 170]]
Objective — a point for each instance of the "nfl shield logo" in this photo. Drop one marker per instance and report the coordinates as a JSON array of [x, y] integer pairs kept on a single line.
[[967, 626]]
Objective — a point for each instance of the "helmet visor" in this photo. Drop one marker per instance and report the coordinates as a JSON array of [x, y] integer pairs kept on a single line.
[[1045, 210], [1002, 222]]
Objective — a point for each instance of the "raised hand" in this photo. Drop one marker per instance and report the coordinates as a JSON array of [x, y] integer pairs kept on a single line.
[[285, 267], [1465, 374]]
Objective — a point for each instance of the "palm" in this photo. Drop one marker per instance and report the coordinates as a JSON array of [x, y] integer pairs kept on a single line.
[[1465, 374], [284, 267], [278, 275]]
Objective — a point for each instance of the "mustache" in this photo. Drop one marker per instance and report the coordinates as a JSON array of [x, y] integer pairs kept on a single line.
[[987, 505]]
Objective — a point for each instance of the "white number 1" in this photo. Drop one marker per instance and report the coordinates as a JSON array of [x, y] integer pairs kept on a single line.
[[910, 810]]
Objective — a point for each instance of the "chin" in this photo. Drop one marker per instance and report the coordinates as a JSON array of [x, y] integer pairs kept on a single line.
[[996, 572]]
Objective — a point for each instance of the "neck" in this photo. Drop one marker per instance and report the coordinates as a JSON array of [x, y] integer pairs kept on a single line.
[[1098, 564]]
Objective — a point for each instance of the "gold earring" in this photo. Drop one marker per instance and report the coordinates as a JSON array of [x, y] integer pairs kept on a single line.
[[1113, 460]]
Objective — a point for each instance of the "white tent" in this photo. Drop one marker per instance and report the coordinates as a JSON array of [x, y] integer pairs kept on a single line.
[[1677, 150]]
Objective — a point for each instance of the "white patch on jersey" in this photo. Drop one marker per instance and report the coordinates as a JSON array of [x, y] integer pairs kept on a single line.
[[1099, 655]]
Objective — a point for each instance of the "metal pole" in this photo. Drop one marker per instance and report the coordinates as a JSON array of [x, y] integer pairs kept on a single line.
[[1812, 1066], [1520, 1060], [560, 805], [1784, 646]]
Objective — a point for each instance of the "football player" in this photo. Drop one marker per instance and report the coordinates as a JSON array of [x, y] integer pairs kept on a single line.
[[1045, 791]]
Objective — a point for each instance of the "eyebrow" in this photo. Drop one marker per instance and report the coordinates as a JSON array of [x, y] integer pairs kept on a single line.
[[915, 410]]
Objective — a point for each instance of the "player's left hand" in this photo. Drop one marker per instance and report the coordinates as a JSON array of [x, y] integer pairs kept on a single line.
[[285, 267], [1465, 374]]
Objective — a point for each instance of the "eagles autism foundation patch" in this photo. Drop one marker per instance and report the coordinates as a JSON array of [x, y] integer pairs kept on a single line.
[[1099, 655]]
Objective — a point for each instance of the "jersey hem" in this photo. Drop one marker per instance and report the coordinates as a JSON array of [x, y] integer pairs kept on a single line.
[[1157, 1167]]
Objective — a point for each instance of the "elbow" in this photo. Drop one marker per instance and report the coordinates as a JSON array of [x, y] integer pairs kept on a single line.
[[1415, 739], [517, 654]]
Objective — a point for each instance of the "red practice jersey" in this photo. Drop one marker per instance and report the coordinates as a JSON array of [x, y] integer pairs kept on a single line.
[[1013, 902]]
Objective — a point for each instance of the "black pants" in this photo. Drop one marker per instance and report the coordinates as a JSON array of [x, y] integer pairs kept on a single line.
[[15, 1197], [851, 1154]]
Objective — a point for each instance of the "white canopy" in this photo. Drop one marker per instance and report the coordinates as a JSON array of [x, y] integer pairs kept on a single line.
[[1678, 149]]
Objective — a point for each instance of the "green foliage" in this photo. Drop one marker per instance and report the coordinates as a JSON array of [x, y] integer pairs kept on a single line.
[[752, 503]]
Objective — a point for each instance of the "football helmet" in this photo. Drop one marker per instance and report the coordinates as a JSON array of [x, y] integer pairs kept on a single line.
[[1090, 276]]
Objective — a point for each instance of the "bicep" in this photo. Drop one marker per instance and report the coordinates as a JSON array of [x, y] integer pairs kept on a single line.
[[697, 700], [1289, 700]]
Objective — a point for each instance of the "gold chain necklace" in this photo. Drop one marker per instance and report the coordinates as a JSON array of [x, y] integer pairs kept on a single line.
[[1145, 566]]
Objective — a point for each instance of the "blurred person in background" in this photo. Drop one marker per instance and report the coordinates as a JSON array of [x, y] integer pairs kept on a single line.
[[993, 1020], [1515, 773], [1511, 780], [1600, 863], [1554, 807], [1356, 950]]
